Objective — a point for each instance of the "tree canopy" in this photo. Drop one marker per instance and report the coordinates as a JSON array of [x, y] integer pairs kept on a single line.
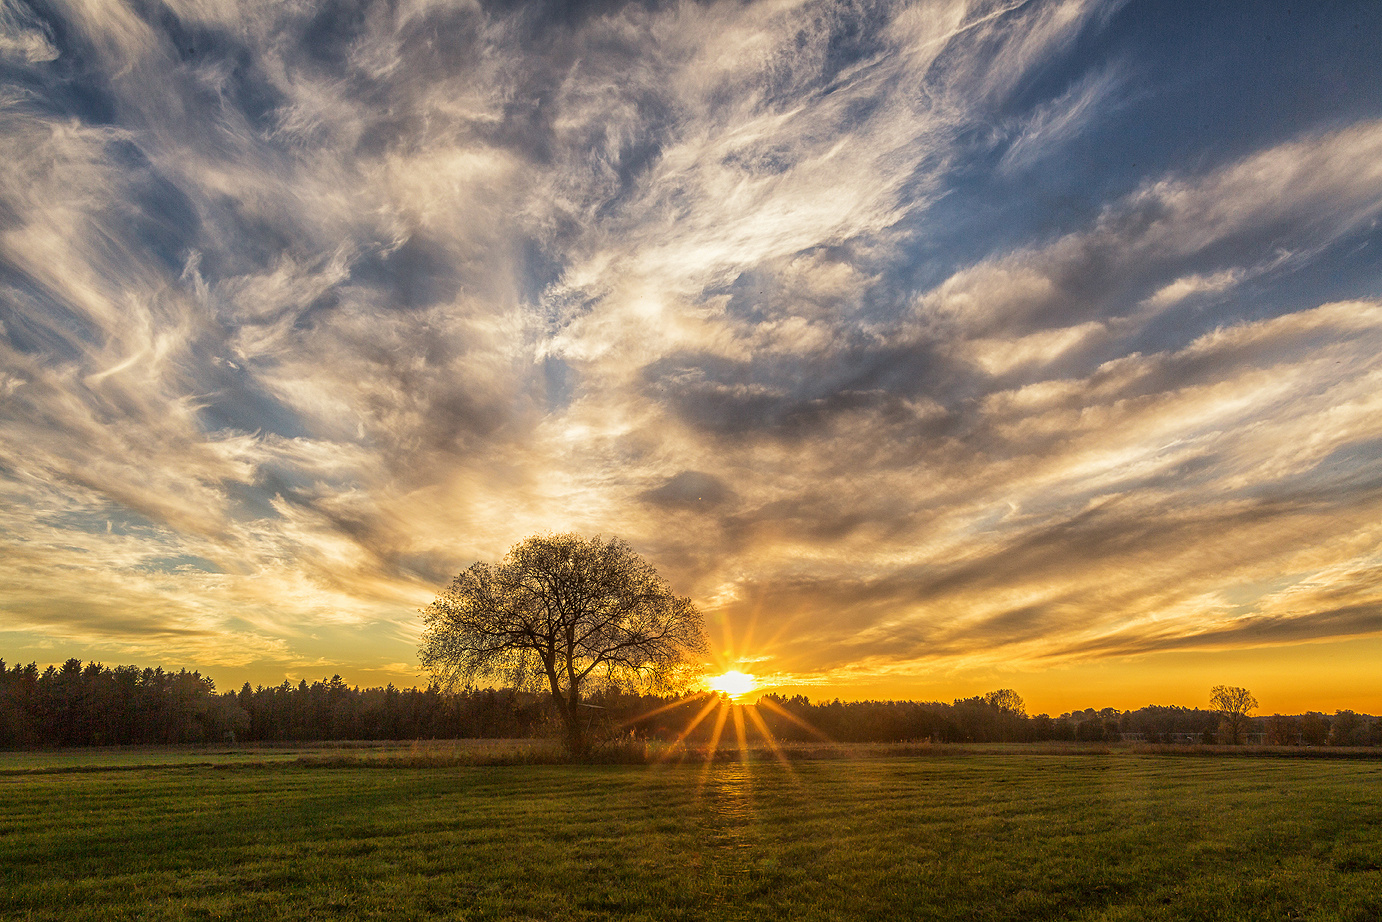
[[564, 613], [1234, 705], [1005, 699]]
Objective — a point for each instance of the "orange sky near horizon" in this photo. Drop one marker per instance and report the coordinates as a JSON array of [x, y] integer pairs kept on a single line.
[[1286, 680]]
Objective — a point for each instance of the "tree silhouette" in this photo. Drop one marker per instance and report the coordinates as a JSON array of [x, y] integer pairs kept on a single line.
[[1008, 701], [565, 613], [1233, 704]]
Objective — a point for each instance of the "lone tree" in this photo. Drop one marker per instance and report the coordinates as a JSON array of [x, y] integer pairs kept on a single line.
[[1234, 705], [565, 613]]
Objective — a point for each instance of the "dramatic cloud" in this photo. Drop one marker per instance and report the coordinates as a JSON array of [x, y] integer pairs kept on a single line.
[[903, 336]]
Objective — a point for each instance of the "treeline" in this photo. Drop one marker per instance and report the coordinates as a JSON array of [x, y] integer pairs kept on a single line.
[[95, 705], [965, 720], [980, 720]]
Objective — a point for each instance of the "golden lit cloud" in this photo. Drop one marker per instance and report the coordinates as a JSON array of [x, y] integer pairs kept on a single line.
[[915, 340]]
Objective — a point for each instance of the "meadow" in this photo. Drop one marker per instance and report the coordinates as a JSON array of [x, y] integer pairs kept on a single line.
[[948, 834]]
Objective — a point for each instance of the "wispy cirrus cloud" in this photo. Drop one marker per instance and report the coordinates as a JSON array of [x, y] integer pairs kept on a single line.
[[305, 308], [1129, 508], [1042, 133]]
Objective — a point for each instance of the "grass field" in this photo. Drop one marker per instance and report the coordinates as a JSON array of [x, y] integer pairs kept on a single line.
[[990, 835]]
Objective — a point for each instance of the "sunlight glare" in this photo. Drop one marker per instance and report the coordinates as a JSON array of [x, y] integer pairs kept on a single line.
[[733, 683]]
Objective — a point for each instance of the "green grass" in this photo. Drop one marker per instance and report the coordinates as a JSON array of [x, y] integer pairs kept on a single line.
[[1007, 835]]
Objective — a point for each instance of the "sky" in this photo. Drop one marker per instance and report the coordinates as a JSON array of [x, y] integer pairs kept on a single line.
[[929, 347]]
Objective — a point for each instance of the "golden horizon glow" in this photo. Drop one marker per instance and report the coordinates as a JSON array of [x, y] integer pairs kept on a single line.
[[733, 683]]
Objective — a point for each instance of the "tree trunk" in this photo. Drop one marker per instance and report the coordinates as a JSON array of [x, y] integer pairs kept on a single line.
[[574, 736], [577, 742], [568, 706]]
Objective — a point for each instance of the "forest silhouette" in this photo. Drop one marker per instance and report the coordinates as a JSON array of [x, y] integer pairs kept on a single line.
[[96, 705]]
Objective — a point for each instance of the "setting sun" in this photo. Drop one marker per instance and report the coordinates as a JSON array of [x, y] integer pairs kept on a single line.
[[733, 683]]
